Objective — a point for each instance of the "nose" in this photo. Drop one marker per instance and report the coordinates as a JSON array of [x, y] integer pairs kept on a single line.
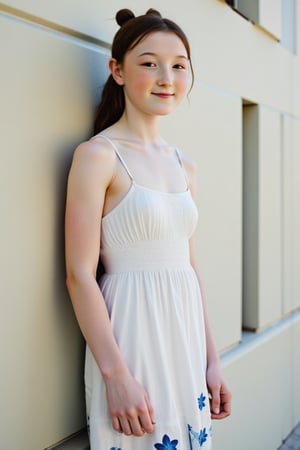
[[165, 76]]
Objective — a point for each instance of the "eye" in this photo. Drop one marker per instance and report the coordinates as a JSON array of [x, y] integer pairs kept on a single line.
[[149, 64], [179, 67]]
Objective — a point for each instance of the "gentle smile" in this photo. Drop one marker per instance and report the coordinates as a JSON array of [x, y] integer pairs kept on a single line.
[[162, 94]]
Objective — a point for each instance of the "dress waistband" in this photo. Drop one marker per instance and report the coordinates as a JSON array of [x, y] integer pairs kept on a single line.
[[146, 255]]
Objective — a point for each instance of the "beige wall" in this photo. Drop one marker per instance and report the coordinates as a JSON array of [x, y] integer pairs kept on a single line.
[[262, 219], [265, 374], [53, 63]]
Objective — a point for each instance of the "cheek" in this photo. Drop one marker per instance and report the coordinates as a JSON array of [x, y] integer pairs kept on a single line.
[[136, 78], [182, 84], [138, 85], [142, 81]]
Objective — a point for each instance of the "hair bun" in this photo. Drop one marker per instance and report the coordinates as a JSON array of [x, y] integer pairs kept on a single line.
[[154, 12], [123, 16]]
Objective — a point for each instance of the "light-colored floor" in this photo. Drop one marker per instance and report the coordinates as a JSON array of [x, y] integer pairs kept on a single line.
[[292, 442]]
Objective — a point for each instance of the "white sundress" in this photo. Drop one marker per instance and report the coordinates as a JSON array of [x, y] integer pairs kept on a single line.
[[154, 303]]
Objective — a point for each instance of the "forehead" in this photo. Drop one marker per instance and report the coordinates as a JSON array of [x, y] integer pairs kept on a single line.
[[160, 42]]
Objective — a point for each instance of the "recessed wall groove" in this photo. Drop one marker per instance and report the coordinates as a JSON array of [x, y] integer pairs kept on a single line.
[[26, 17]]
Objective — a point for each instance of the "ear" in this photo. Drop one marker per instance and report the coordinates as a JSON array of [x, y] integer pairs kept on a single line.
[[116, 71]]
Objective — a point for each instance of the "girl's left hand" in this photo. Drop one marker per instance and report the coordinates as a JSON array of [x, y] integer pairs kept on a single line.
[[220, 395]]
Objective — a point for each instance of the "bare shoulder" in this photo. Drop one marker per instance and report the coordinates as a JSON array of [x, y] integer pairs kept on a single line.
[[94, 157], [95, 150]]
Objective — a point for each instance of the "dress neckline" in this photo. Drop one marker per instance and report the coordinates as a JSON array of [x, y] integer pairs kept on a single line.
[[132, 178], [140, 186], [134, 186]]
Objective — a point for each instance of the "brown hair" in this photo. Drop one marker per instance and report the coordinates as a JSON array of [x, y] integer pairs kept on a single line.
[[132, 31]]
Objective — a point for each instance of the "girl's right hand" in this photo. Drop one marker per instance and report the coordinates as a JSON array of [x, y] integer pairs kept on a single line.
[[129, 405]]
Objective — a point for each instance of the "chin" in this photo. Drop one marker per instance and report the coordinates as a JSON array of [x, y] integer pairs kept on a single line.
[[165, 111]]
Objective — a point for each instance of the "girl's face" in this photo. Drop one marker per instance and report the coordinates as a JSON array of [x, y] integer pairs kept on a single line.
[[155, 74]]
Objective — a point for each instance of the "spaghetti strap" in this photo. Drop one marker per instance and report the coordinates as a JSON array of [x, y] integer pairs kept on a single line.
[[182, 166], [118, 154], [178, 156]]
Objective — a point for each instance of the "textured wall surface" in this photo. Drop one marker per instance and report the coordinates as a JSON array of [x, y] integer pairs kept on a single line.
[[241, 124]]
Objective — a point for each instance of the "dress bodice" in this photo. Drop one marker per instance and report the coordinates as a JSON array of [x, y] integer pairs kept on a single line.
[[147, 227]]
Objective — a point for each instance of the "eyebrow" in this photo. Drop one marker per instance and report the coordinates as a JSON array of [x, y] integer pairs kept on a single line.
[[154, 54]]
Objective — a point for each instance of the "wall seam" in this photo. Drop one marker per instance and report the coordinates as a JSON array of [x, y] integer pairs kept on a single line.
[[252, 340], [26, 17], [232, 94]]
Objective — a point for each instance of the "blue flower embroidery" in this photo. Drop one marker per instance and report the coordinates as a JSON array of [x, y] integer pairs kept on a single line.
[[202, 436], [167, 444], [201, 402], [115, 448], [195, 437]]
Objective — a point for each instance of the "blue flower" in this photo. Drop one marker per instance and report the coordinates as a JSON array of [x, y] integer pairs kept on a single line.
[[200, 438], [167, 444], [201, 402], [115, 448]]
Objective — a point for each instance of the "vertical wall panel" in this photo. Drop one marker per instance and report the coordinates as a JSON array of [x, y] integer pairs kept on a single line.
[[262, 217], [297, 19], [269, 232], [48, 91], [288, 19], [296, 214], [250, 215], [287, 214], [270, 16]]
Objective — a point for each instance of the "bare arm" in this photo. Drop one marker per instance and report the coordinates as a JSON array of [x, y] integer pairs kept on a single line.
[[86, 188], [220, 402], [91, 173]]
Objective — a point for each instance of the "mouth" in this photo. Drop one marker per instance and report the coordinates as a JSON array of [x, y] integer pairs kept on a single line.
[[162, 94]]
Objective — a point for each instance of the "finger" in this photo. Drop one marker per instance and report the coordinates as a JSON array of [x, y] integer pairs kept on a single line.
[[146, 420], [116, 424], [150, 409], [215, 401], [136, 427], [225, 409], [220, 416], [134, 423], [226, 402], [125, 425]]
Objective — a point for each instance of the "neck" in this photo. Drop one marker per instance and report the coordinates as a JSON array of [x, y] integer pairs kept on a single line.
[[142, 129]]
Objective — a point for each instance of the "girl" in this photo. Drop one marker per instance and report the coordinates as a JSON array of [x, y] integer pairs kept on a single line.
[[152, 373]]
